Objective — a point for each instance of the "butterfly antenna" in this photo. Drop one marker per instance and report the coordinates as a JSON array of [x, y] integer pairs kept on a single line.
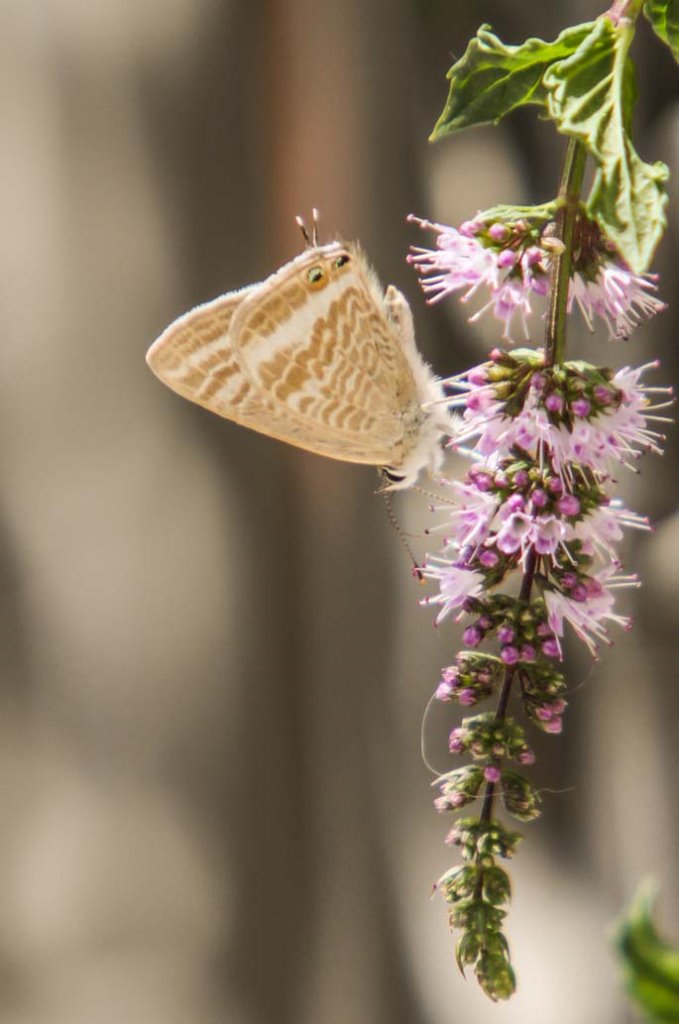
[[314, 230], [302, 227], [391, 516]]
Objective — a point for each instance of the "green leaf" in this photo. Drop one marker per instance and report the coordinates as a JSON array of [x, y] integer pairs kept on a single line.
[[651, 965], [590, 97], [664, 17], [491, 79]]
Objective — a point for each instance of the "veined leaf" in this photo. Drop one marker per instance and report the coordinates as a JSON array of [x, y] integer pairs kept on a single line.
[[651, 966], [590, 96], [491, 79], [664, 17]]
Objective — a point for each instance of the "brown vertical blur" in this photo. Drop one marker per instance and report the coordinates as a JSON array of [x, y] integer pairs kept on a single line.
[[214, 666]]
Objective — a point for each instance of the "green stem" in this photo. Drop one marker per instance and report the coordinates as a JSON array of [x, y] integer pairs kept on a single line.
[[570, 187], [568, 201]]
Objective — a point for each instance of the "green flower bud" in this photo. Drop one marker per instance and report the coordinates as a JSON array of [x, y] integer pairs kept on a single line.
[[519, 797], [467, 950], [496, 977], [495, 885], [461, 883]]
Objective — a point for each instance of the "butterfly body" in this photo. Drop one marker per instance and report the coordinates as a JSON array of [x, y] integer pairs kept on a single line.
[[316, 355]]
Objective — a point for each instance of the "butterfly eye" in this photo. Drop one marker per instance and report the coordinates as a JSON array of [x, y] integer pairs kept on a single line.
[[317, 277], [341, 261]]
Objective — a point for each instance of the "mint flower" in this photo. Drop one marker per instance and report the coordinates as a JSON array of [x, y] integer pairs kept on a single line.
[[531, 536], [456, 584], [618, 297], [589, 608], [536, 503], [500, 258], [580, 413], [603, 528], [512, 260], [469, 519], [570, 533]]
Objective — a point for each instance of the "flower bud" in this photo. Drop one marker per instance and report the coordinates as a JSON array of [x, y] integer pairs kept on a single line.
[[509, 655], [581, 407], [506, 634], [519, 797], [498, 231], [472, 636], [554, 403]]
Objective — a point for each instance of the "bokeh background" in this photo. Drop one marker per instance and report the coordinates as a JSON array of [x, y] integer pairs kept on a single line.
[[214, 667]]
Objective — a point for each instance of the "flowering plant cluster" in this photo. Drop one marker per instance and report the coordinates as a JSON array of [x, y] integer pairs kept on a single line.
[[531, 534], [510, 252]]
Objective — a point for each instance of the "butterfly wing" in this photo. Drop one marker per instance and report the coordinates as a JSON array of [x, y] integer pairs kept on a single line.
[[329, 357], [195, 358], [318, 367], [194, 352]]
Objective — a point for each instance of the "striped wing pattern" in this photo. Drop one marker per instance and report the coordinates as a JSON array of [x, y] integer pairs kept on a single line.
[[194, 357], [321, 369]]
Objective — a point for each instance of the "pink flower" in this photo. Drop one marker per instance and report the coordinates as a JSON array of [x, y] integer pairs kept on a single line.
[[617, 432], [588, 617], [514, 532], [445, 691], [617, 296], [456, 584], [456, 741], [547, 533], [466, 262], [459, 262], [504, 259], [601, 529], [468, 522], [519, 531], [509, 299]]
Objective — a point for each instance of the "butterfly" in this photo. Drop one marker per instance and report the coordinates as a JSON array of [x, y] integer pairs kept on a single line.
[[319, 356]]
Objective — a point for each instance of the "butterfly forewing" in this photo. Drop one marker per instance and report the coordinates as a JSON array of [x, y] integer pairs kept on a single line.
[[328, 355]]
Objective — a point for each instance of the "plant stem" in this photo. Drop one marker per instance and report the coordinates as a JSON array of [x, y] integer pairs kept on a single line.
[[569, 201], [624, 10], [526, 587]]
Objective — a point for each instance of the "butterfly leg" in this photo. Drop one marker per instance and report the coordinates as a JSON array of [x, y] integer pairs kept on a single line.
[[400, 314]]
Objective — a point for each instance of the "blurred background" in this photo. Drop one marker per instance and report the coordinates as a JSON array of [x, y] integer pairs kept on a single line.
[[214, 666]]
